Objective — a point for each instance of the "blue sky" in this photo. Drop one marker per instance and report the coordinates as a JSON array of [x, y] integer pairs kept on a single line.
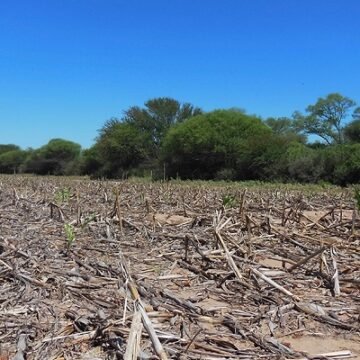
[[66, 66]]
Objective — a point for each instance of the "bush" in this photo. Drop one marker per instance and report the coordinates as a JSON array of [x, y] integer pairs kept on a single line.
[[10, 161], [55, 158], [225, 174], [304, 164], [343, 164], [202, 146]]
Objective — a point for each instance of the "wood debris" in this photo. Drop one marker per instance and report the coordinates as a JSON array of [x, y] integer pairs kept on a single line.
[[168, 270]]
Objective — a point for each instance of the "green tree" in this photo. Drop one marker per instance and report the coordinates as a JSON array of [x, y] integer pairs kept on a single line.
[[133, 142], [10, 161], [280, 125], [326, 118], [8, 147], [57, 157], [120, 147], [90, 162], [270, 159], [158, 116], [342, 164], [209, 145], [352, 131], [356, 114], [285, 127], [304, 164]]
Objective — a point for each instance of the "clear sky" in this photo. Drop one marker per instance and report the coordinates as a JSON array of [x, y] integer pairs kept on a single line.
[[66, 66]]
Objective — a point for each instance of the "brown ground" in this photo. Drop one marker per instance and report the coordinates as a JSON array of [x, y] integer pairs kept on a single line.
[[198, 273]]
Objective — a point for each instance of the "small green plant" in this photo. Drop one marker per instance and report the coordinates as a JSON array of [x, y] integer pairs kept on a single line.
[[62, 195], [88, 219], [70, 235], [228, 201]]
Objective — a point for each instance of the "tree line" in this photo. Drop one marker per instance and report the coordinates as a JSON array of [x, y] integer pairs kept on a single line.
[[169, 139]]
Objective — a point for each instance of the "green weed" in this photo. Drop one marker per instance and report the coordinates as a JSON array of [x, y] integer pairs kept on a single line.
[[88, 219], [70, 235], [62, 195], [228, 201]]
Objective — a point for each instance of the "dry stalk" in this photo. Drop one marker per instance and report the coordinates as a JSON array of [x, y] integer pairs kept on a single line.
[[118, 209], [133, 344], [335, 277], [274, 284], [242, 203], [305, 260], [71, 303], [141, 308]]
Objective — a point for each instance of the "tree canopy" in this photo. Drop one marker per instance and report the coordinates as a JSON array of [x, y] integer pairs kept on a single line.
[[10, 161], [56, 158], [326, 118], [8, 147], [166, 137], [120, 147], [158, 115], [352, 131], [285, 127], [205, 145]]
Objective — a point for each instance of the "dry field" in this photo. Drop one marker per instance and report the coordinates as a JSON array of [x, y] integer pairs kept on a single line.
[[106, 270]]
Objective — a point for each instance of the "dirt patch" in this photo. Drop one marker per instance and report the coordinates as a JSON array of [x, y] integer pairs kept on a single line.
[[313, 345], [273, 263]]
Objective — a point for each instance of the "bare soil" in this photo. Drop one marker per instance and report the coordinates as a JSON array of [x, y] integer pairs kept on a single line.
[[113, 270]]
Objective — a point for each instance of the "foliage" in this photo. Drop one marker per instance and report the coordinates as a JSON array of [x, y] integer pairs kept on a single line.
[[228, 201], [158, 116], [352, 131], [70, 235], [62, 195], [90, 162], [88, 220], [8, 147], [167, 139], [54, 158], [201, 146], [131, 145], [61, 149], [269, 161], [325, 118], [304, 164], [357, 197], [285, 127], [10, 161], [227, 174], [356, 114], [342, 164], [120, 147]]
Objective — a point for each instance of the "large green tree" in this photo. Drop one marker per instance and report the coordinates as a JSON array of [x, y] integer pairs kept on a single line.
[[119, 147], [303, 163], [356, 114], [8, 147], [285, 128], [352, 131], [222, 141], [342, 164], [57, 157], [326, 118], [10, 161], [134, 141], [158, 115], [90, 162]]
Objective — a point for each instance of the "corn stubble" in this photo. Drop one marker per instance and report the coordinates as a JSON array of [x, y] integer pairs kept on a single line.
[[175, 270]]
